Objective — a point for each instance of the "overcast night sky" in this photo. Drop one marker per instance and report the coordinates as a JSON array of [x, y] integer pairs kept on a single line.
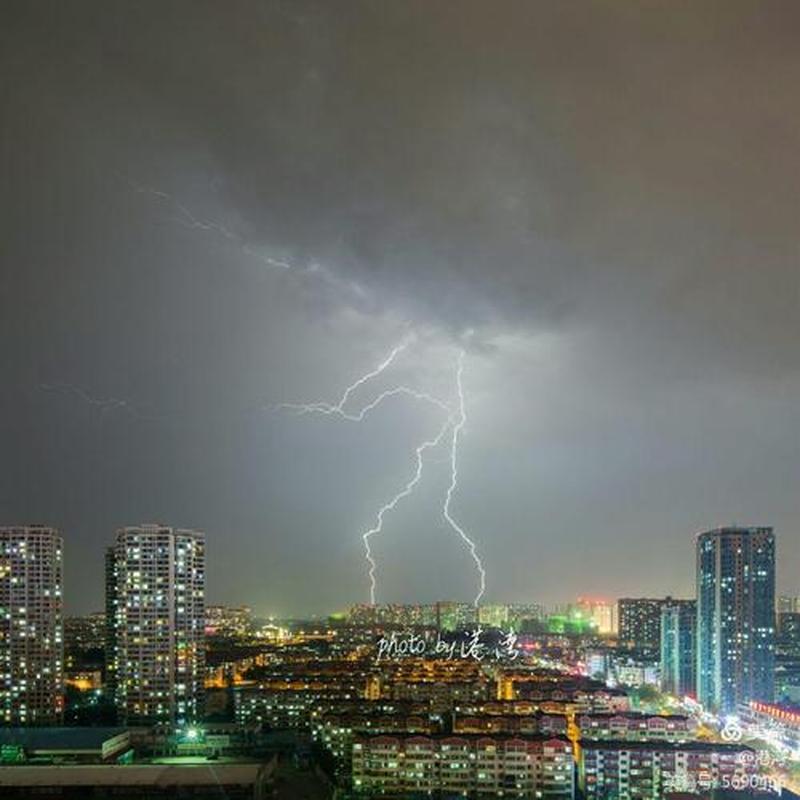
[[210, 209]]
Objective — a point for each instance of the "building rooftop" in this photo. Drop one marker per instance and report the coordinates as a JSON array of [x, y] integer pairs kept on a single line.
[[152, 775], [466, 737], [67, 739], [698, 747], [631, 715]]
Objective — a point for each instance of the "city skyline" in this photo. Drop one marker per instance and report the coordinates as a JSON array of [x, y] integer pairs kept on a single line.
[[452, 696], [610, 606], [400, 399], [595, 204], [609, 598]]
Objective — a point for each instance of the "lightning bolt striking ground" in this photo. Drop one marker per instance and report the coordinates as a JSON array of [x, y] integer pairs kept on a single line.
[[405, 492], [455, 421], [457, 428], [338, 409]]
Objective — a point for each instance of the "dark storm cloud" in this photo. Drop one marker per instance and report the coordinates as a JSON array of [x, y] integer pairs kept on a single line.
[[622, 175], [472, 162]]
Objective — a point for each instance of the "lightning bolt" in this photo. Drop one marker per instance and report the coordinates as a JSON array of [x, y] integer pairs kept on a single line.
[[455, 421], [457, 428], [385, 509], [188, 220], [102, 403], [338, 408]]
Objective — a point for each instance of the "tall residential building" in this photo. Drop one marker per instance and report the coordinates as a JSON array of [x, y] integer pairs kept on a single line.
[[155, 585], [735, 617], [678, 633], [31, 626], [111, 622], [640, 621]]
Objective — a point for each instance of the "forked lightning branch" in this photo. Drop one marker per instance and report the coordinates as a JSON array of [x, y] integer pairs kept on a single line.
[[455, 418]]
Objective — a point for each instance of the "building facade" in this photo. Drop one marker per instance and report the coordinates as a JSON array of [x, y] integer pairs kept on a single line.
[[521, 615], [678, 633], [31, 626], [463, 766], [155, 591], [493, 615], [232, 622], [653, 770], [735, 617], [602, 612], [780, 723], [632, 727], [640, 621], [452, 616], [111, 620], [788, 605], [789, 630], [787, 658]]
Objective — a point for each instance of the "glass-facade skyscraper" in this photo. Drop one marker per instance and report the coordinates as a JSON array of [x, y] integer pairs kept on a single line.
[[735, 617], [678, 635]]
